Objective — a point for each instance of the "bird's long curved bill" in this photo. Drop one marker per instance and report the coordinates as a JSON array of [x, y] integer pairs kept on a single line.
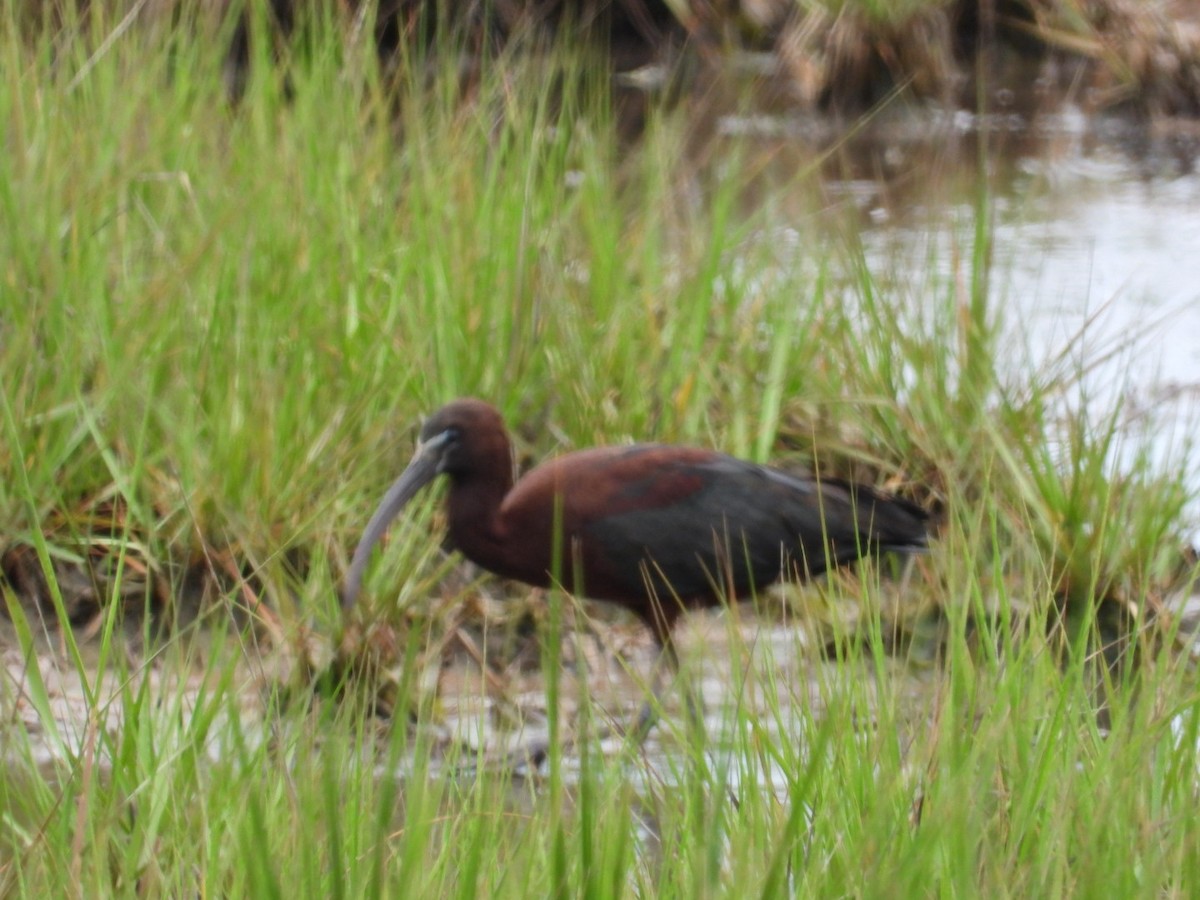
[[422, 469]]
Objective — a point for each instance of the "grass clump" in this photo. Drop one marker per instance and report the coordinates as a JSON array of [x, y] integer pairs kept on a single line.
[[220, 325]]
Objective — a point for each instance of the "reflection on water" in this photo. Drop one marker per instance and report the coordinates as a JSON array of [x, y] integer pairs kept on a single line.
[[1086, 231], [1096, 237]]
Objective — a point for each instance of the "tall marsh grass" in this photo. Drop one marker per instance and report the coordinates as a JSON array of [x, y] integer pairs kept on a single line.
[[219, 325]]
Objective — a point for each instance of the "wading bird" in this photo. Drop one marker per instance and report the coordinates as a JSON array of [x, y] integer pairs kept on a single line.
[[653, 528]]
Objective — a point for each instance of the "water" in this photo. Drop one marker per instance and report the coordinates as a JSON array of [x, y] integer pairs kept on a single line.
[[1097, 232], [1096, 241]]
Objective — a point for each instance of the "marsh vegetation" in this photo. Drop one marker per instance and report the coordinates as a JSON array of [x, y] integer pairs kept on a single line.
[[220, 323]]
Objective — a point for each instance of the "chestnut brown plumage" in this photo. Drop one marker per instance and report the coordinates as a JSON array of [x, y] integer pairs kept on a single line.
[[653, 528]]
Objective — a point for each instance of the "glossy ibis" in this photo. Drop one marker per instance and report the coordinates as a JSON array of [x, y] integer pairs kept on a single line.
[[653, 528]]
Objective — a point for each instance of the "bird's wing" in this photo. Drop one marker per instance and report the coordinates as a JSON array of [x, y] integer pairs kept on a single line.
[[684, 519], [687, 518], [850, 517]]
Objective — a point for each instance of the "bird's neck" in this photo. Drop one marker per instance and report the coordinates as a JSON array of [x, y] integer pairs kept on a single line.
[[473, 506]]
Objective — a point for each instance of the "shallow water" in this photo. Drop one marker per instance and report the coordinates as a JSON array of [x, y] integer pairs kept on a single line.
[[1096, 240], [1097, 224]]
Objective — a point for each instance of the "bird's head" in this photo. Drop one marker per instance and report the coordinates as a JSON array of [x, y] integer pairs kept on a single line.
[[463, 438]]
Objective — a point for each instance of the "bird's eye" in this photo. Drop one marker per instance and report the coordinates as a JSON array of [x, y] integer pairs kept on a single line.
[[452, 435]]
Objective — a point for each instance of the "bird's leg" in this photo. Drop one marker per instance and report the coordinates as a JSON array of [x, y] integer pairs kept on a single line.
[[692, 700], [647, 716], [535, 752], [666, 673]]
